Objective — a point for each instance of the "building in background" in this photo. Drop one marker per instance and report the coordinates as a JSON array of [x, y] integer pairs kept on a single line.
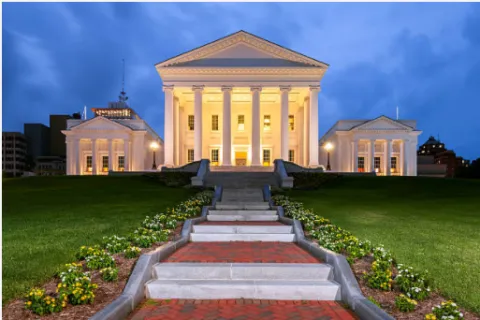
[[38, 139], [50, 165], [14, 151], [58, 123]]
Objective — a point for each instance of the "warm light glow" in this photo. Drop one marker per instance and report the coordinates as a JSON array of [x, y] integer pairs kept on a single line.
[[328, 146], [376, 170], [154, 145]]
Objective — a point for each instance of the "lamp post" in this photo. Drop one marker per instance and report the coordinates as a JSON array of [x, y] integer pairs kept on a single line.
[[154, 147], [328, 147]]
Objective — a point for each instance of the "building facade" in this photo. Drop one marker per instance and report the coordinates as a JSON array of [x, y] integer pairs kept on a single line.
[[241, 101], [14, 152], [115, 139], [38, 139], [58, 123], [383, 145]]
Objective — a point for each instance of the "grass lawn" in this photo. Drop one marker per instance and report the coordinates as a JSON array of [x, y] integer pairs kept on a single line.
[[46, 220], [428, 223]]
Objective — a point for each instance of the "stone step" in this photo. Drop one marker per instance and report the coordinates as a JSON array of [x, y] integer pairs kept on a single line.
[[226, 237], [233, 229], [243, 289], [224, 217], [243, 212], [242, 206], [242, 271]]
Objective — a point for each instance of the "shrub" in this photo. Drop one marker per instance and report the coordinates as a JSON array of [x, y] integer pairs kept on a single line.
[[109, 274], [99, 261], [413, 284], [70, 272], [447, 310], [132, 252], [42, 304], [175, 178], [87, 251], [404, 303], [145, 238], [80, 292], [312, 180], [115, 244]]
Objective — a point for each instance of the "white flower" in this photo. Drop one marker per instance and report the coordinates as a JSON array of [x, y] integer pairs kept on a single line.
[[453, 304]]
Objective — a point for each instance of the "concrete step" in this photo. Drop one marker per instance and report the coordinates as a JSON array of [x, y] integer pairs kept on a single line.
[[225, 237], [242, 271], [246, 289], [242, 205], [243, 212], [232, 229], [224, 217]]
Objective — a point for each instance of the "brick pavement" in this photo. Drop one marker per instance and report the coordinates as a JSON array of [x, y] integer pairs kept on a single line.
[[240, 309], [255, 252]]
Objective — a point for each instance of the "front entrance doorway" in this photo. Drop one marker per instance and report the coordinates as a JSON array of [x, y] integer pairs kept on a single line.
[[240, 158]]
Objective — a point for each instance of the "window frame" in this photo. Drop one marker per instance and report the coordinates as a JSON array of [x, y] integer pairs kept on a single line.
[[121, 163], [267, 126], [192, 155], [212, 160], [104, 168], [291, 155], [291, 125], [269, 157], [191, 126], [241, 123], [87, 158], [215, 124], [361, 164]]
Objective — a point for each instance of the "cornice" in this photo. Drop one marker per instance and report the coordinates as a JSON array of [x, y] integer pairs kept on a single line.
[[248, 71]]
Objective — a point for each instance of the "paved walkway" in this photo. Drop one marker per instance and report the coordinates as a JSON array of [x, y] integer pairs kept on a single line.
[[231, 252], [241, 310]]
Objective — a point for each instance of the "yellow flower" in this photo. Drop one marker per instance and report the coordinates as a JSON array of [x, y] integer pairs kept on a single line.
[[29, 302]]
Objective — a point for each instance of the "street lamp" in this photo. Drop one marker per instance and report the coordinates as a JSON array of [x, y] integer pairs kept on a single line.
[[328, 147], [154, 147]]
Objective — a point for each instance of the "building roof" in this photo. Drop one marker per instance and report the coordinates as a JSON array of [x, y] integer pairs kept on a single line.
[[431, 140]]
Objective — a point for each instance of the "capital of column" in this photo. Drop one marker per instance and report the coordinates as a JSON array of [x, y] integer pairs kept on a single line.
[[285, 88], [168, 87], [227, 88], [314, 88], [255, 89], [198, 88]]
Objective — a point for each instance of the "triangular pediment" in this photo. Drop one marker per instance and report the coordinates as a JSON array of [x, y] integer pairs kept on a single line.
[[241, 49], [382, 123], [100, 123]]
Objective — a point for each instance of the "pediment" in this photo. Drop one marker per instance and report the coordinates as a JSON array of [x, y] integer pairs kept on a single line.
[[382, 123], [241, 49], [100, 123]]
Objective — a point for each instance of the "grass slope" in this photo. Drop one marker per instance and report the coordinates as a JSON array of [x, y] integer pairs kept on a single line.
[[46, 220], [431, 224]]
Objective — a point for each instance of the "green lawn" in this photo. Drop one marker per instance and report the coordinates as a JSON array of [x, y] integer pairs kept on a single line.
[[431, 224], [46, 219]]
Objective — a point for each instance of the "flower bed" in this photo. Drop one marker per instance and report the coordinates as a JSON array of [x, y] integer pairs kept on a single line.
[[103, 269], [400, 290]]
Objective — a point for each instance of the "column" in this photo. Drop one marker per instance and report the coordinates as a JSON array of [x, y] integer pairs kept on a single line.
[[306, 131], [313, 115], [77, 157], [388, 157], [110, 155], [94, 156], [176, 140], [227, 129], [284, 122], [401, 162], [197, 122], [371, 159], [355, 155], [256, 126], [168, 135], [126, 155]]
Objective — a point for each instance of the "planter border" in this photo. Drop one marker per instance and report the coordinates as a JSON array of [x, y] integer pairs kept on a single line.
[[342, 273], [134, 291]]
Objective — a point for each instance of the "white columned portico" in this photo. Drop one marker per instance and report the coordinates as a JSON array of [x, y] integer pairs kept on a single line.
[[168, 136], [371, 158], [227, 126], [77, 156], [198, 95], [94, 156], [126, 155], [313, 114], [110, 155], [284, 122], [355, 155], [388, 157], [256, 161]]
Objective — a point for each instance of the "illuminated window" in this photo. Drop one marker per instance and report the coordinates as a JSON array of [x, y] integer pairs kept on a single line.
[[241, 122], [191, 122], [105, 163], [215, 123], [291, 122], [89, 163], [361, 164], [266, 157], [214, 157], [121, 163], [291, 155], [393, 164], [190, 155], [376, 164], [423, 151], [266, 122]]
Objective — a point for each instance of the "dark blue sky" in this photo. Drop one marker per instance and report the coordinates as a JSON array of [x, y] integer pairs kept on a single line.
[[423, 57]]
